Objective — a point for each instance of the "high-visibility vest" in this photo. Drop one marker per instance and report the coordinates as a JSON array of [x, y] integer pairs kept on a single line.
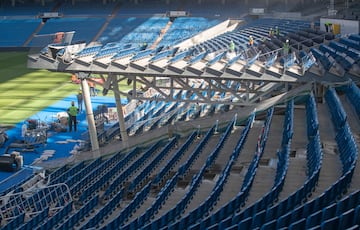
[[232, 46], [286, 47], [73, 111]]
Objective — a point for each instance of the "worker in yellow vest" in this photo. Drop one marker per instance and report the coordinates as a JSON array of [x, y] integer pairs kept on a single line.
[[286, 48], [271, 33], [72, 112]]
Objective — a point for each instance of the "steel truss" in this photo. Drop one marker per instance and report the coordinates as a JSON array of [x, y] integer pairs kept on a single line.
[[200, 90]]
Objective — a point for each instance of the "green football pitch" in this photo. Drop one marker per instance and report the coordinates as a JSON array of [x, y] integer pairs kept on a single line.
[[24, 91]]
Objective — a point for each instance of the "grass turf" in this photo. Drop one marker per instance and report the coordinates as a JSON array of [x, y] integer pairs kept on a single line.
[[24, 91]]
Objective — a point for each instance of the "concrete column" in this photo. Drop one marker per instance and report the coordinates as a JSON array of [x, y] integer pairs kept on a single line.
[[123, 133], [267, 3], [90, 119]]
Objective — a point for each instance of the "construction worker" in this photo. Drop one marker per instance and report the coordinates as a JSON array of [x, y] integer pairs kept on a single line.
[[92, 86], [72, 112], [328, 27], [232, 46], [277, 31], [286, 48], [251, 41], [271, 32], [80, 98]]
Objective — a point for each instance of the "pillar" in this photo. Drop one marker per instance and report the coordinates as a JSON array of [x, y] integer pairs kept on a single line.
[[90, 118], [123, 132]]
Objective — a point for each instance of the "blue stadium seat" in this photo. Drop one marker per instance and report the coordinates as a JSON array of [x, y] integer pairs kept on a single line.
[[330, 224]]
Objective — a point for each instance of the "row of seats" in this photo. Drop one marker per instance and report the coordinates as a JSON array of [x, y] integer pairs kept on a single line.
[[139, 179], [91, 50], [127, 211], [338, 56], [259, 149], [78, 215], [62, 174], [75, 178], [183, 169], [170, 184], [351, 42], [147, 32], [15, 222], [95, 173], [163, 194], [338, 114], [204, 208], [53, 175], [176, 156], [297, 217], [197, 179], [346, 143], [156, 204], [161, 117], [309, 213], [35, 220], [186, 27], [342, 49], [57, 217], [116, 183], [239, 200], [105, 175], [153, 117], [254, 216], [164, 54], [257, 211], [311, 118], [322, 58], [353, 94], [106, 210]]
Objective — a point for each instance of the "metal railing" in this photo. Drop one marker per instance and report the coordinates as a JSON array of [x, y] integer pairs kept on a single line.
[[34, 200]]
